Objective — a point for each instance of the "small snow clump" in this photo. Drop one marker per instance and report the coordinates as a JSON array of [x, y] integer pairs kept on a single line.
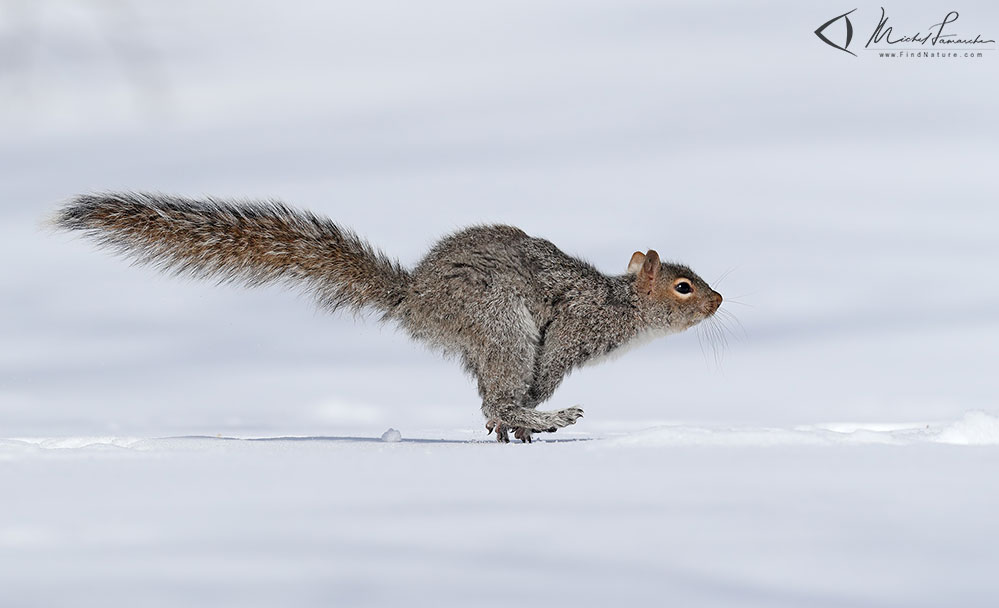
[[391, 436]]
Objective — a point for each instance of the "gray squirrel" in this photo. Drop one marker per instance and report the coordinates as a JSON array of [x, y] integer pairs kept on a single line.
[[519, 313]]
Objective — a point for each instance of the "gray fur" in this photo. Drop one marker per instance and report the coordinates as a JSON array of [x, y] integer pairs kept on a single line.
[[518, 312]]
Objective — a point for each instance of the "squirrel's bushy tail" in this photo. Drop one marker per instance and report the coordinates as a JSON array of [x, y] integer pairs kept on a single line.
[[250, 243]]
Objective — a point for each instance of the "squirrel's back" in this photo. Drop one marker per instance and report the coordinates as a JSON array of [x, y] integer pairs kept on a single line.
[[496, 278]]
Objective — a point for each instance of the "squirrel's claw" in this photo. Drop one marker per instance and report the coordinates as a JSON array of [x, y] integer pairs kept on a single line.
[[523, 434], [501, 430]]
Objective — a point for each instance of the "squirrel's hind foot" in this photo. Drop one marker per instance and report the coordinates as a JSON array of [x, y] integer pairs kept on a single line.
[[528, 421], [566, 417]]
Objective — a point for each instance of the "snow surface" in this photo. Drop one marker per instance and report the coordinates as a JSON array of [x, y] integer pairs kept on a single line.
[[676, 516], [167, 442]]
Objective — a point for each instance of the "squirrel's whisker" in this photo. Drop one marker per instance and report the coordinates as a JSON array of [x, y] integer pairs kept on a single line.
[[717, 283]]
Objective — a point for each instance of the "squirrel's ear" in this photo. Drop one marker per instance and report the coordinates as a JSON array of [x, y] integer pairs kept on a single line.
[[637, 259], [650, 269]]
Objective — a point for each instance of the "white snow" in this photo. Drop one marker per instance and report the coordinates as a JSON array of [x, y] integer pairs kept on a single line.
[[174, 443], [974, 428]]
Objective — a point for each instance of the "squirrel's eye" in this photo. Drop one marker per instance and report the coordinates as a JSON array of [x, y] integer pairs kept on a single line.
[[683, 287]]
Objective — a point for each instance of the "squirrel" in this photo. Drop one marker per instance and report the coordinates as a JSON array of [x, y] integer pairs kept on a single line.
[[516, 311]]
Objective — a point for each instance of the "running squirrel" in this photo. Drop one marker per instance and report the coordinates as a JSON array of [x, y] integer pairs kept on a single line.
[[519, 313]]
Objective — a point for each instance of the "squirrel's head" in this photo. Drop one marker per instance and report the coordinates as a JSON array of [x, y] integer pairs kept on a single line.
[[671, 294]]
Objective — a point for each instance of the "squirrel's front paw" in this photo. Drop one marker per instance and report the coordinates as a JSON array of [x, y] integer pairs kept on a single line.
[[502, 430]]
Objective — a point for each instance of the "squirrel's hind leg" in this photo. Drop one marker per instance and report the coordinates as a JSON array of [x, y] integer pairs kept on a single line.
[[505, 373]]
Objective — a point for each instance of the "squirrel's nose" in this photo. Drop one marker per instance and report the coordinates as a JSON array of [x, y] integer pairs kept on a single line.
[[714, 301]]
